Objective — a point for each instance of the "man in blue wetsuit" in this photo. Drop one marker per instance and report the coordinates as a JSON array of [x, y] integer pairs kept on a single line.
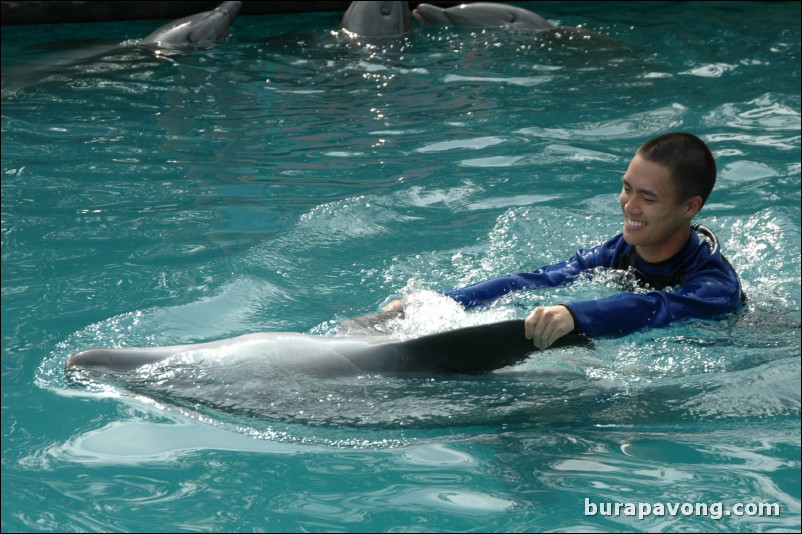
[[665, 185]]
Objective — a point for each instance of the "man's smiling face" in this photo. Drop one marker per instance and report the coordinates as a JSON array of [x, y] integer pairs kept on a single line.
[[656, 222]]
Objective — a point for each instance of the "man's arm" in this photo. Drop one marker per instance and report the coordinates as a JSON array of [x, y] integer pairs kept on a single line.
[[704, 297]]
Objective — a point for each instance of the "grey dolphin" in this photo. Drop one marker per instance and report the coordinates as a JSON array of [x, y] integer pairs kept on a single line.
[[202, 30], [482, 15], [472, 350], [377, 19]]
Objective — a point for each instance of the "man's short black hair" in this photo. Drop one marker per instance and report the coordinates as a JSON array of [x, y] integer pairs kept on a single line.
[[692, 165]]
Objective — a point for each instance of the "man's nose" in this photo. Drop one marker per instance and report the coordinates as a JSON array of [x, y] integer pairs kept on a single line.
[[629, 204]]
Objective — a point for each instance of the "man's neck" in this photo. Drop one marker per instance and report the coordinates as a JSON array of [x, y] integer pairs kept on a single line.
[[666, 250]]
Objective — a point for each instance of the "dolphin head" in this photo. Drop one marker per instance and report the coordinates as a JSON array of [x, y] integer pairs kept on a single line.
[[429, 14], [202, 30], [482, 15], [377, 19]]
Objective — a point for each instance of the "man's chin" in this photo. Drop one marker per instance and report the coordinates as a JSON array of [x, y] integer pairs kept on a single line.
[[630, 238]]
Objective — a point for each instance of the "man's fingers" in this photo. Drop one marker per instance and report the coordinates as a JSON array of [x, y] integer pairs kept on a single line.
[[535, 325], [394, 306], [546, 324], [549, 334], [531, 323]]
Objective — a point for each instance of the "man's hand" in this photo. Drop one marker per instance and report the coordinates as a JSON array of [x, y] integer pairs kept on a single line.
[[394, 306], [546, 324]]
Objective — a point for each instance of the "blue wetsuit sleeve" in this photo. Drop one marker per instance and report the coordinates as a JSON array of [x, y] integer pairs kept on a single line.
[[486, 292], [707, 294], [549, 276]]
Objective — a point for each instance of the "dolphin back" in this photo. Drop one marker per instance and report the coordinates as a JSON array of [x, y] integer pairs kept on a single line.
[[475, 349]]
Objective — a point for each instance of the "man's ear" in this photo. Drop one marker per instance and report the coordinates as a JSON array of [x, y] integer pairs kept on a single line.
[[693, 205]]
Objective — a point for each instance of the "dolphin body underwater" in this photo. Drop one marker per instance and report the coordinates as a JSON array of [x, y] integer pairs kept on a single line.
[[470, 351], [446, 379]]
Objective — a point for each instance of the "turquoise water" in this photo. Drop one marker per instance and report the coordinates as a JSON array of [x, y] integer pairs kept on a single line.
[[289, 179]]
